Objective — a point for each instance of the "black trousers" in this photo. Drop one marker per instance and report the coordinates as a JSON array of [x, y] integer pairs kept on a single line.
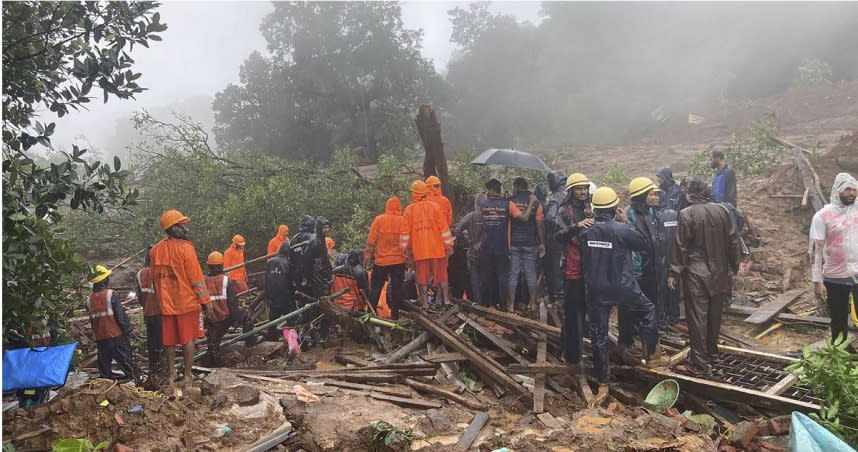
[[553, 270], [276, 309], [627, 321], [154, 342], [119, 349], [838, 307], [494, 279], [381, 274], [574, 322], [214, 334]]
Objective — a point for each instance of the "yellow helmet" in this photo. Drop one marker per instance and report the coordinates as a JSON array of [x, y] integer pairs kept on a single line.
[[575, 180], [100, 272], [605, 198], [640, 185]]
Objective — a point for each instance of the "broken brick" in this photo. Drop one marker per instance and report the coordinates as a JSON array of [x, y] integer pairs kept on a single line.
[[743, 433], [672, 412], [771, 447], [779, 425]]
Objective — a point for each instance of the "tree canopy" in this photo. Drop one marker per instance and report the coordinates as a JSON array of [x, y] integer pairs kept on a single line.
[[341, 75], [54, 54]]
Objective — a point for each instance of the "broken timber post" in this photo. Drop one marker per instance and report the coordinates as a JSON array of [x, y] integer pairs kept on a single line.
[[416, 343], [452, 396], [435, 160], [805, 170], [487, 365], [541, 350]]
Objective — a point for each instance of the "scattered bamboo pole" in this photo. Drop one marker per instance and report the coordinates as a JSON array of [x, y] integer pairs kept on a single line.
[[267, 256]]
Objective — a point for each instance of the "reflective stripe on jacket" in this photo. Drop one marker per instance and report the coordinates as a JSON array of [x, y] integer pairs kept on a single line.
[[427, 235], [101, 314], [147, 292], [179, 284], [218, 310]]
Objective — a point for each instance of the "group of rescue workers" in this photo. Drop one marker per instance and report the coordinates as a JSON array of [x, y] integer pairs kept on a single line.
[[673, 241]]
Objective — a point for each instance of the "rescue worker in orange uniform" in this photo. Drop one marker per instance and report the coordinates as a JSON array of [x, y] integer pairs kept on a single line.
[[232, 256], [435, 195], [151, 315], [282, 236], [384, 254], [110, 325], [223, 307], [427, 240], [180, 289], [353, 276]]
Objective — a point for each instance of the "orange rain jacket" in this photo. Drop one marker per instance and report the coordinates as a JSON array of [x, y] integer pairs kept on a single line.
[[443, 202], [282, 236], [180, 287], [385, 235], [234, 255], [426, 235]]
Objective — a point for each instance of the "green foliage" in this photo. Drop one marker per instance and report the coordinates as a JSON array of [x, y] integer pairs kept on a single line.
[[77, 445], [385, 437], [812, 72], [749, 153], [832, 373], [54, 53], [615, 174], [341, 75]]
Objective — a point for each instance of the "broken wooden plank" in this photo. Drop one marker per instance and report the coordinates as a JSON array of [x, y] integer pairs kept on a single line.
[[399, 391], [461, 400], [583, 388], [454, 357], [511, 319], [784, 316], [354, 360], [679, 356], [408, 348], [470, 434], [406, 402], [768, 310], [541, 350], [780, 387], [486, 364], [493, 338], [538, 368], [757, 354]]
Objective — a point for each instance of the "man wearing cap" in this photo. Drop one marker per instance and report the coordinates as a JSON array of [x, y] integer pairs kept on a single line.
[[427, 241], [573, 217], [644, 197], [705, 250], [180, 289], [526, 243], [110, 326], [232, 256], [834, 253], [606, 255], [496, 212]]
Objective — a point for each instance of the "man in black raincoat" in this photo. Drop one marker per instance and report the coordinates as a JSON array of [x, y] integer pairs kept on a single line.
[[606, 252], [552, 266], [671, 196], [280, 287]]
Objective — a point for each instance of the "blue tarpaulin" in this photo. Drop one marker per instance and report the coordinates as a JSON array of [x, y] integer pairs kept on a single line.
[[40, 367], [805, 435]]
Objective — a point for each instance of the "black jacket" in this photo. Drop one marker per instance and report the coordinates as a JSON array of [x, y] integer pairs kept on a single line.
[[557, 185], [279, 285]]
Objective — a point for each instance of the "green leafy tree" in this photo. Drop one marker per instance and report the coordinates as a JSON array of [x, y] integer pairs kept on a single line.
[[342, 75], [54, 54]]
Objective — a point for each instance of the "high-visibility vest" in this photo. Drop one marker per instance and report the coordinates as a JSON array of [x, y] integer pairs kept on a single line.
[[147, 292], [218, 310], [101, 315]]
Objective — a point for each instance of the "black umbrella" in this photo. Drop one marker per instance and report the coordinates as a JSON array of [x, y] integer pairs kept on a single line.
[[510, 158]]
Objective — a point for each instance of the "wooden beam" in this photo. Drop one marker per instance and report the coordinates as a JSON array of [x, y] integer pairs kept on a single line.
[[399, 391], [494, 339], [757, 354], [780, 387], [541, 351], [768, 310], [486, 364], [510, 319], [784, 316], [406, 402], [470, 434], [461, 400], [454, 357], [417, 342], [538, 368]]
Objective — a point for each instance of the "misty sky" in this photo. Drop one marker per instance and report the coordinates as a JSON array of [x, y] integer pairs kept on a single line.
[[204, 46]]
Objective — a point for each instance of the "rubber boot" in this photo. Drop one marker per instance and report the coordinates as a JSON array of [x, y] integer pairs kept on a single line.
[[657, 359]]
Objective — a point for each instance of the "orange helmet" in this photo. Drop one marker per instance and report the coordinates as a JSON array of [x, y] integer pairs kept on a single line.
[[238, 239], [215, 258], [433, 181], [419, 187], [172, 217]]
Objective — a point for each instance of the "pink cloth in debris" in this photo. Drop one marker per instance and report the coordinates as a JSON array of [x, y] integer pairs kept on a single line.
[[290, 337], [834, 235]]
